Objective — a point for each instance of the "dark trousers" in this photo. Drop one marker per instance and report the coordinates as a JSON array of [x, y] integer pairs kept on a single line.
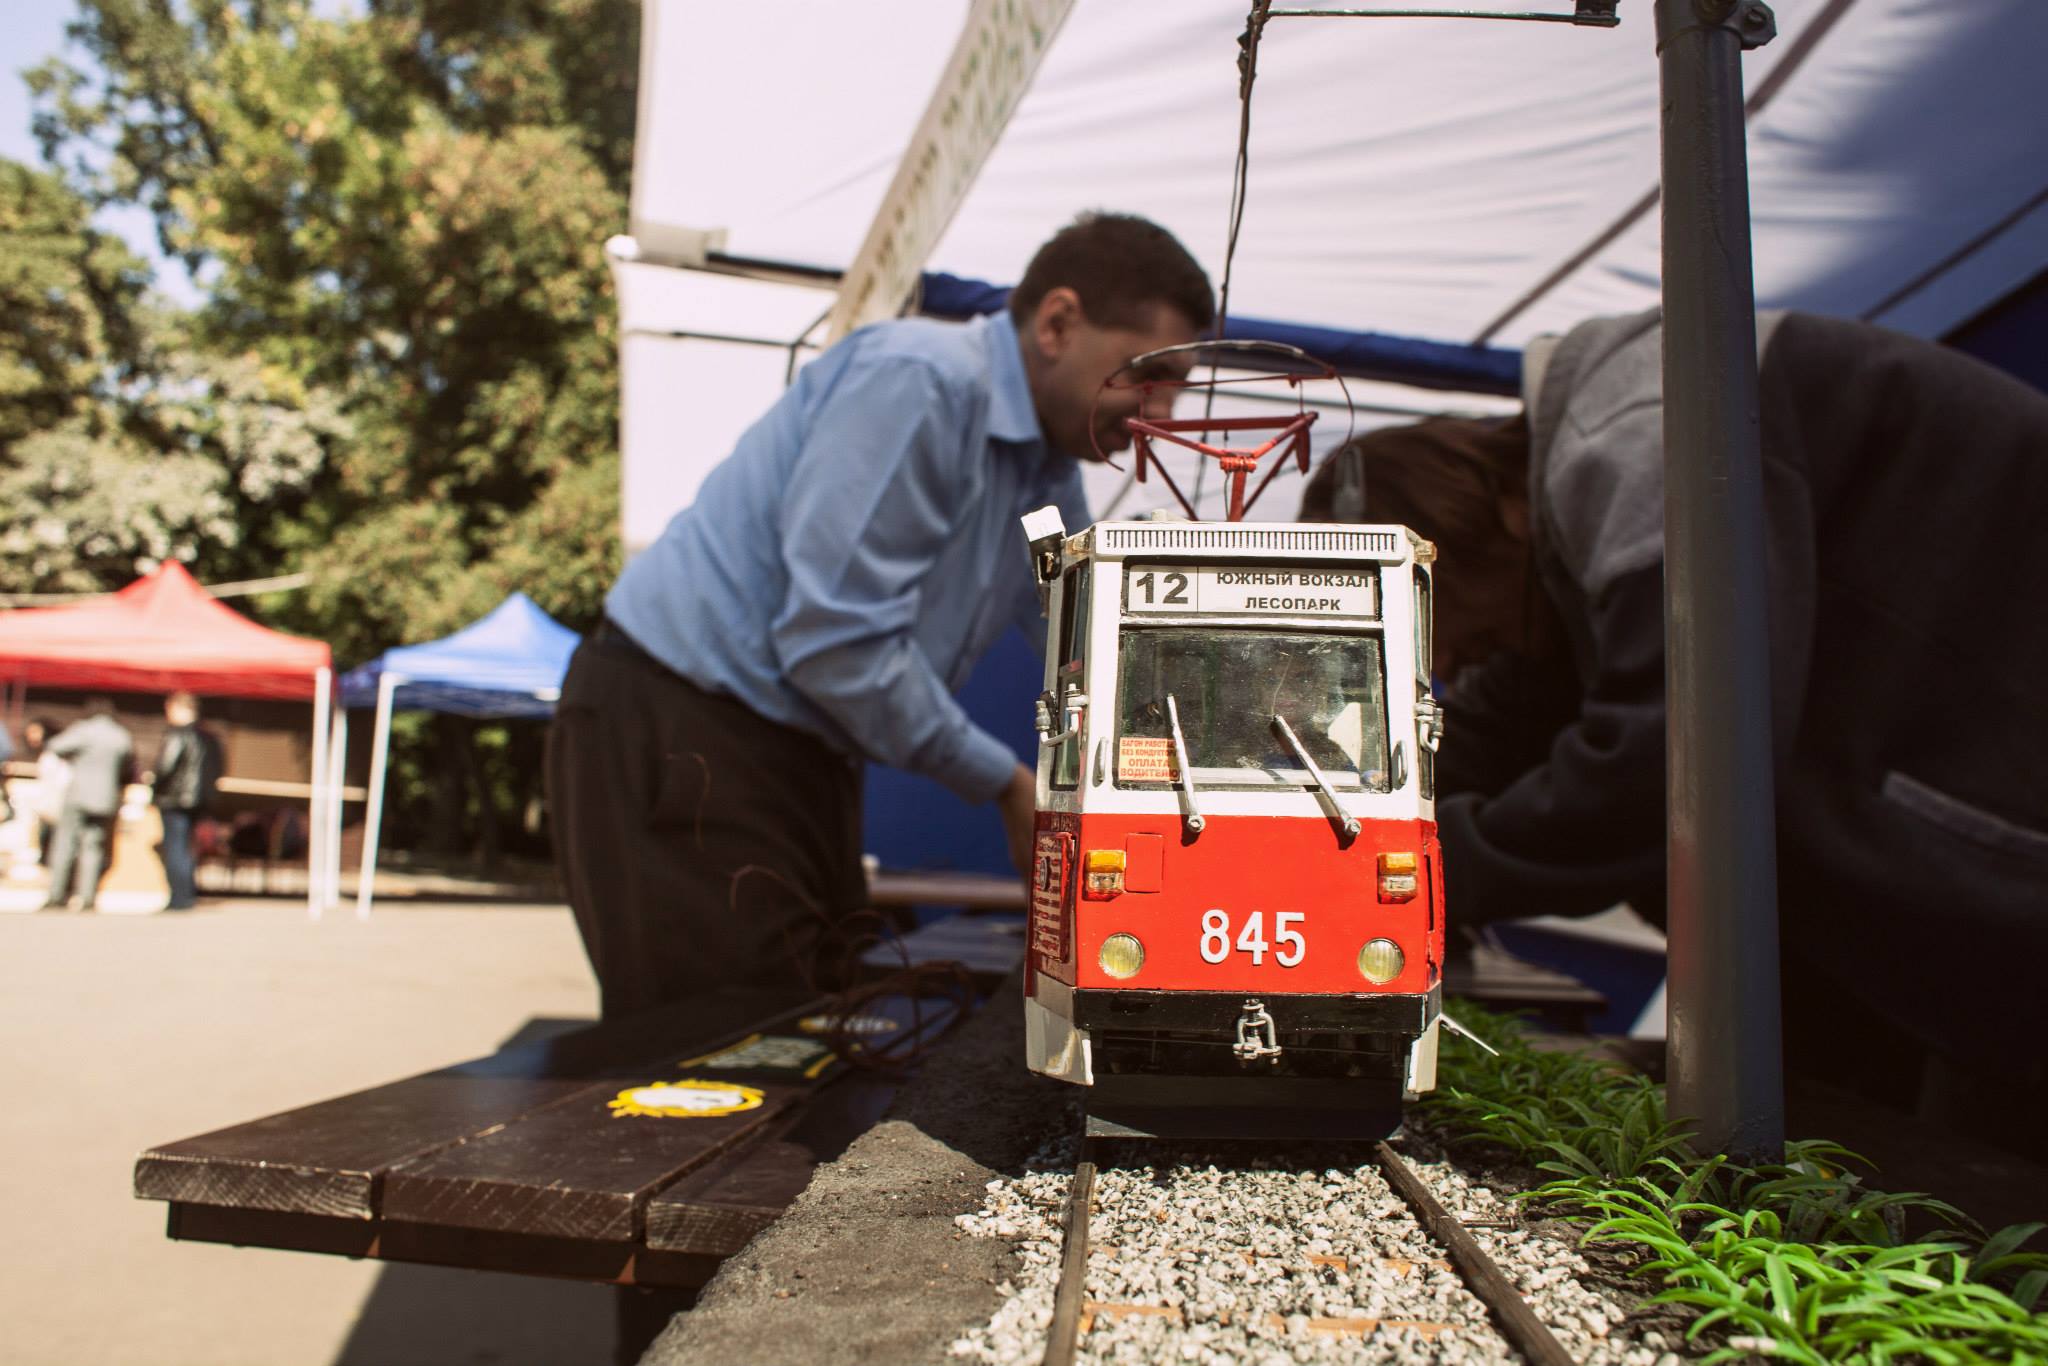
[[176, 852], [80, 844], [701, 845]]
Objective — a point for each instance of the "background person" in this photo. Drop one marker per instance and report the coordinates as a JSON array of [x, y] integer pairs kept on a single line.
[[1905, 486], [837, 577], [53, 775], [181, 786], [101, 753]]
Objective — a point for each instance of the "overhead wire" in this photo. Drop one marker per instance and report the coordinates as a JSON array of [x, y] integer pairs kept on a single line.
[[1240, 180]]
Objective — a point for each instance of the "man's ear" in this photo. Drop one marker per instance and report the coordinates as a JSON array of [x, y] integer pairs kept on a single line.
[[1057, 319]]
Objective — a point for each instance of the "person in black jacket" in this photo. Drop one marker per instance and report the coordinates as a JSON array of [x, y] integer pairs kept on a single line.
[[1905, 488], [183, 785]]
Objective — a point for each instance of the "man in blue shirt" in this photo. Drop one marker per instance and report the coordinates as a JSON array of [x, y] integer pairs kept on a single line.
[[836, 579]]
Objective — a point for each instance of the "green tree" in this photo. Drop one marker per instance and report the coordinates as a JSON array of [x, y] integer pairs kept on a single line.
[[406, 207], [66, 295]]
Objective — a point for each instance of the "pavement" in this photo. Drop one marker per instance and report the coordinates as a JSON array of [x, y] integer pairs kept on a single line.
[[130, 1030], [868, 1265]]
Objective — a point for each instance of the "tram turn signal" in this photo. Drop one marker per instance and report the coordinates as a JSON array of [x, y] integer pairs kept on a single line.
[[1103, 876], [1398, 881]]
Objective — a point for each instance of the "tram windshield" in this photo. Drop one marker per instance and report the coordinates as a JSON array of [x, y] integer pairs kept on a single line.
[[1228, 685]]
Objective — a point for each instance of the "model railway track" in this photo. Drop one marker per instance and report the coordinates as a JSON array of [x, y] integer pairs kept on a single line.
[[1074, 1313]]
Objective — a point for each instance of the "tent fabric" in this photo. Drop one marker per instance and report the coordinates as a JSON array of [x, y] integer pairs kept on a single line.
[[162, 633], [1364, 355], [1411, 176], [507, 664], [1407, 177]]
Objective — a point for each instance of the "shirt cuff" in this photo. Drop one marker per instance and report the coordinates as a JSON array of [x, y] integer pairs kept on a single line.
[[981, 770]]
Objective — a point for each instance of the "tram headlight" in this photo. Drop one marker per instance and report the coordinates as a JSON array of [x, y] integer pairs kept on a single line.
[[1381, 961], [1121, 956]]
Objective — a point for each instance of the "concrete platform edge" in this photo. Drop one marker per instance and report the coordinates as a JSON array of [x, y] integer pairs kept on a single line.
[[868, 1266]]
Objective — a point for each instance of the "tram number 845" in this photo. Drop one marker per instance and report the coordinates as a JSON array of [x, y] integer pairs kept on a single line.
[[1288, 946]]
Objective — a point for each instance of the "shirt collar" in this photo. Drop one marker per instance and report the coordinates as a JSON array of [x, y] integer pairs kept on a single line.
[[1012, 416]]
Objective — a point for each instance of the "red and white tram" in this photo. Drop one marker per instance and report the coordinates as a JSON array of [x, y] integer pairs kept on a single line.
[[1237, 912]]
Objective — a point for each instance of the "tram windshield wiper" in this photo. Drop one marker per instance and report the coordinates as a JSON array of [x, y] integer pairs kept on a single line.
[[1348, 824], [1193, 814]]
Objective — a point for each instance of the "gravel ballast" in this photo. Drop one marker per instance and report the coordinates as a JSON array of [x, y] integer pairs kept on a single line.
[[1304, 1255], [936, 1239]]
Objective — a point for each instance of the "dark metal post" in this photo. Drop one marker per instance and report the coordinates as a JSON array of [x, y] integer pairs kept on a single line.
[[1726, 1067]]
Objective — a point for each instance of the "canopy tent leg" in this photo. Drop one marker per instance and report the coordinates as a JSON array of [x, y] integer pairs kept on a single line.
[[373, 810], [316, 834], [337, 779]]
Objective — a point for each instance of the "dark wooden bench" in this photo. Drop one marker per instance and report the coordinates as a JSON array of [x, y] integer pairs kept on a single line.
[[640, 1152], [554, 1158]]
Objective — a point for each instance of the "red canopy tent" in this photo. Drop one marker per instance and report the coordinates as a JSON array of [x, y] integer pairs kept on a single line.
[[165, 632], [159, 634]]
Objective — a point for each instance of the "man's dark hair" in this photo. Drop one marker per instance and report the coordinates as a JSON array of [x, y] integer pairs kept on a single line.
[[1117, 263], [99, 704]]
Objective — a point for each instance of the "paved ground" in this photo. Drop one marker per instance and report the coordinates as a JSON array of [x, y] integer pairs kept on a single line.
[[128, 1030]]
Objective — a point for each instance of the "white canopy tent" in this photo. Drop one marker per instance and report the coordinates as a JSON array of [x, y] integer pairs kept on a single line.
[[1447, 179]]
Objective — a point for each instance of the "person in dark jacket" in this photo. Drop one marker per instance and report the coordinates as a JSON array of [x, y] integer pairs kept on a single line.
[[101, 753], [1905, 486], [183, 785]]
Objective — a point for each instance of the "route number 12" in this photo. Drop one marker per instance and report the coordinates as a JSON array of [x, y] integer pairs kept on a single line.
[[1175, 587], [1288, 946]]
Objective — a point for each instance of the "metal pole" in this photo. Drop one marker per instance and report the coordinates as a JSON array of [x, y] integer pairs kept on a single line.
[[316, 798], [1725, 1068], [373, 811], [337, 782]]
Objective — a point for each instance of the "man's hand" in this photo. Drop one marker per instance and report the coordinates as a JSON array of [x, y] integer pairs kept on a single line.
[[1018, 806]]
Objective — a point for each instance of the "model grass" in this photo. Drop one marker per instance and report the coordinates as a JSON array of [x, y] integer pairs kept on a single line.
[[1797, 1261]]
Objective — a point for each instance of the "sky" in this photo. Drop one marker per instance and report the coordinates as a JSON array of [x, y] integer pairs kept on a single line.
[[31, 30], [34, 30]]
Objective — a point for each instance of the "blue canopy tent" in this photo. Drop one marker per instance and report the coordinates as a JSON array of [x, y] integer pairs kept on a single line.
[[506, 666]]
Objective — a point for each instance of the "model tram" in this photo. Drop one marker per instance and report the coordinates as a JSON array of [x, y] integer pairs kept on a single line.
[[1237, 914]]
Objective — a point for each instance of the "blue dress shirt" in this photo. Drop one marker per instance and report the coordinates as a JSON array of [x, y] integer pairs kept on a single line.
[[843, 569]]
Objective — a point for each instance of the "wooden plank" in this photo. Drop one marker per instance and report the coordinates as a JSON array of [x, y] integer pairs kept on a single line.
[[714, 1212], [972, 891], [989, 946], [586, 1166], [1495, 977], [326, 1159], [583, 1167], [525, 1254], [717, 1209]]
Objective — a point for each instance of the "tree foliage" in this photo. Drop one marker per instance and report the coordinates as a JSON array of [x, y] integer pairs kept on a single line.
[[122, 441], [397, 217], [66, 294]]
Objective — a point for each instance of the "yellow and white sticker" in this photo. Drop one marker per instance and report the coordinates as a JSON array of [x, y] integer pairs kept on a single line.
[[774, 1052], [855, 1025], [686, 1099], [1146, 759]]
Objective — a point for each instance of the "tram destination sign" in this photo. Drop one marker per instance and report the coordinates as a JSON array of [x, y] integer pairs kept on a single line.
[[1251, 590]]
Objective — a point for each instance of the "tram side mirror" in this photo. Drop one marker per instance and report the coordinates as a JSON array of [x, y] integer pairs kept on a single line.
[[1397, 768], [1044, 530]]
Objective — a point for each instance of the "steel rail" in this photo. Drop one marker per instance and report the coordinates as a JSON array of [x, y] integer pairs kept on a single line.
[[1063, 1338], [1511, 1313]]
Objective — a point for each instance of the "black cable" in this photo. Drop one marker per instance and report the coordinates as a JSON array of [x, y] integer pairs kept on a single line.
[[1240, 179]]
